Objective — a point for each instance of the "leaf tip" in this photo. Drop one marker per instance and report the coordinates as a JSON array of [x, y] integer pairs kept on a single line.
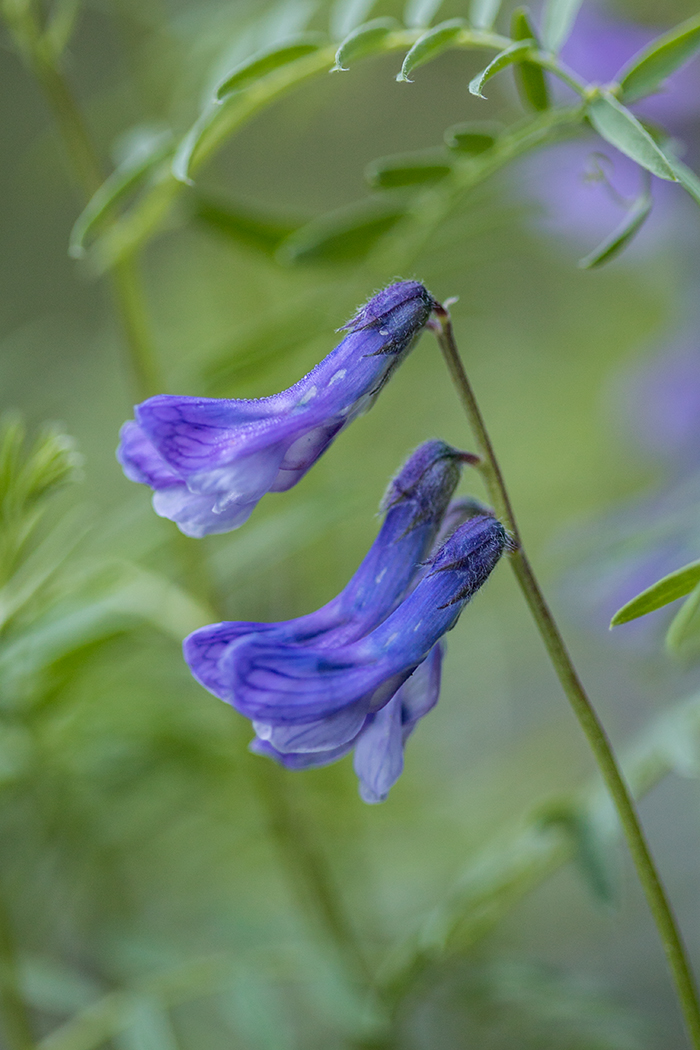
[[402, 78]]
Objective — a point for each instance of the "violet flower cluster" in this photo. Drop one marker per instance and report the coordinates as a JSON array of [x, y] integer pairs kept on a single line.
[[359, 673]]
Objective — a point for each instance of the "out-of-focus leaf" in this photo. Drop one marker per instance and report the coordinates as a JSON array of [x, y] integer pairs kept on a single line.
[[557, 22], [258, 66], [367, 39], [685, 175], [431, 44], [618, 240], [58, 989], [592, 853], [666, 590], [60, 25], [646, 71], [621, 129], [529, 77], [420, 13], [683, 636], [505, 58], [130, 595], [146, 1026], [473, 137], [254, 1010], [482, 13], [246, 224], [347, 15], [41, 565], [408, 169], [152, 148], [343, 235]]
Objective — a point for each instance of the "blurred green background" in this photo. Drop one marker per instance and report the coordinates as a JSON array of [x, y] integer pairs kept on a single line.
[[134, 843]]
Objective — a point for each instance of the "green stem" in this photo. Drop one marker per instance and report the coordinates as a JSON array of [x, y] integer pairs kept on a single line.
[[583, 709]]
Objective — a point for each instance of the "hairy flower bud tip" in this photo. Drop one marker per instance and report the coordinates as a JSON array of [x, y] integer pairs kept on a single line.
[[210, 461]]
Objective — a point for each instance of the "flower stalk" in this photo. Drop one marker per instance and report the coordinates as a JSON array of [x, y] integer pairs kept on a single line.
[[589, 721]]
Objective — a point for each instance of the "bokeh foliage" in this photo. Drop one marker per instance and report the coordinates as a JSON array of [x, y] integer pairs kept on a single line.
[[155, 876]]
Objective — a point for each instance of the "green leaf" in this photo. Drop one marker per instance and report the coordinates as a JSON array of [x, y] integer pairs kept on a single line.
[[557, 22], [150, 149], [367, 39], [529, 77], [618, 240], [244, 223], [646, 71], [420, 13], [431, 44], [683, 636], [347, 15], [482, 13], [676, 585], [258, 66], [592, 853], [621, 129], [408, 169], [473, 136], [343, 235], [503, 59], [685, 175]]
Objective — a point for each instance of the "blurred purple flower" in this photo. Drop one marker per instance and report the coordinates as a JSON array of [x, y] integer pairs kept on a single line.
[[661, 403], [583, 195], [210, 461]]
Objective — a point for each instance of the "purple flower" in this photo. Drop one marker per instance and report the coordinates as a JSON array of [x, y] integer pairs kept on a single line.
[[416, 506], [209, 461], [362, 684]]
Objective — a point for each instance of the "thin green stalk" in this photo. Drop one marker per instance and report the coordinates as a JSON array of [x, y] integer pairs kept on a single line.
[[647, 872]]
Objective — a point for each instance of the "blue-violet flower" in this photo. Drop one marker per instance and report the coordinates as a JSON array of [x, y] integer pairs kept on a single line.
[[356, 675], [209, 461]]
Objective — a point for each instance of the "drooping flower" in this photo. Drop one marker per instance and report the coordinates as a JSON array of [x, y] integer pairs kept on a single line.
[[209, 461], [312, 703], [415, 506]]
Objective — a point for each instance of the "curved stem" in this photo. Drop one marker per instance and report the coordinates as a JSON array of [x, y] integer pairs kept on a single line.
[[647, 872]]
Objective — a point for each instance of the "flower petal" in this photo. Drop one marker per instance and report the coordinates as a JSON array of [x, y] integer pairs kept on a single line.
[[141, 461], [321, 735], [379, 753], [300, 760]]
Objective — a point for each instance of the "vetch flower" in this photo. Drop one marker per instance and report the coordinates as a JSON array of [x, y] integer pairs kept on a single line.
[[416, 507], [310, 704], [209, 461]]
